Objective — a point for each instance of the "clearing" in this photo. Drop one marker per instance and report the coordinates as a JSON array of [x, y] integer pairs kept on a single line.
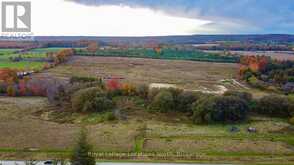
[[189, 75]]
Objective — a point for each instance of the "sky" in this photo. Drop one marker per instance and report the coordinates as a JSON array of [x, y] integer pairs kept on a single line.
[[161, 17]]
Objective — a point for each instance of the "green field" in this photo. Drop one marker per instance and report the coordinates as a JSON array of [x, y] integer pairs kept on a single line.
[[171, 54], [27, 55], [23, 65], [6, 62], [45, 50], [7, 51]]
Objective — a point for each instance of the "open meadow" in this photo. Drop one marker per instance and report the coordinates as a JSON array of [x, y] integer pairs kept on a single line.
[[150, 82], [278, 55], [190, 75], [33, 129]]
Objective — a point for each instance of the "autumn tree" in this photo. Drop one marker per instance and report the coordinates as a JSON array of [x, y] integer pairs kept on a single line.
[[113, 84], [63, 55], [8, 75], [93, 47]]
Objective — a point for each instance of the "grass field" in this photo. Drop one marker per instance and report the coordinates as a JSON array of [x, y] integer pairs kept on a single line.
[[7, 51], [171, 54], [5, 62], [34, 129], [31, 123], [45, 50], [279, 55], [185, 74], [23, 65]]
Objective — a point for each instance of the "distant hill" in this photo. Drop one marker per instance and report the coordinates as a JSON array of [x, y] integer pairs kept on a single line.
[[194, 39]]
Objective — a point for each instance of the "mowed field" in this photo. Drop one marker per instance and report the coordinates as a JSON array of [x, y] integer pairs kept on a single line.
[[7, 54], [184, 74]]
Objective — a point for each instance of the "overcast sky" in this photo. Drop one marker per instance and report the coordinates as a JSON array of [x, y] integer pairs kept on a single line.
[[161, 17]]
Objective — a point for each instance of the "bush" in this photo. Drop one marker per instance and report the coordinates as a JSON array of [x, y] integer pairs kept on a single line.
[[78, 79], [274, 106], [152, 93], [83, 96], [242, 95], [98, 104], [217, 109], [113, 84], [142, 91], [2, 88], [71, 89], [11, 91], [128, 89], [109, 116], [185, 100], [114, 93], [163, 102], [291, 108], [254, 82], [291, 120]]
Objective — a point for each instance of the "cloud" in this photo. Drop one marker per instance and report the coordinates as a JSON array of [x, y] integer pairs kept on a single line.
[[236, 16], [58, 17]]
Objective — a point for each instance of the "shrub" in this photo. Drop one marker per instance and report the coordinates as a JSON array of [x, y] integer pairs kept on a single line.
[[128, 89], [56, 94], [113, 84], [71, 89], [152, 93], [8, 75], [142, 91], [98, 104], [37, 87], [163, 102], [218, 109], [2, 88], [291, 120], [242, 95], [291, 108], [79, 99], [11, 91], [254, 82], [274, 106], [22, 87], [79, 79], [109, 116], [185, 100], [175, 92]]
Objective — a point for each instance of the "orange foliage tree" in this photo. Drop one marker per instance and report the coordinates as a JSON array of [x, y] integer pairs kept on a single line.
[[254, 63], [92, 47], [128, 89], [62, 55], [8, 75]]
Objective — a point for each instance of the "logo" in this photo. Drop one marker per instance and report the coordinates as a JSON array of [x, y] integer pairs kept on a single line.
[[16, 17]]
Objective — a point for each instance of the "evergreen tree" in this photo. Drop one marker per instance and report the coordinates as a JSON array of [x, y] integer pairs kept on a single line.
[[81, 153]]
